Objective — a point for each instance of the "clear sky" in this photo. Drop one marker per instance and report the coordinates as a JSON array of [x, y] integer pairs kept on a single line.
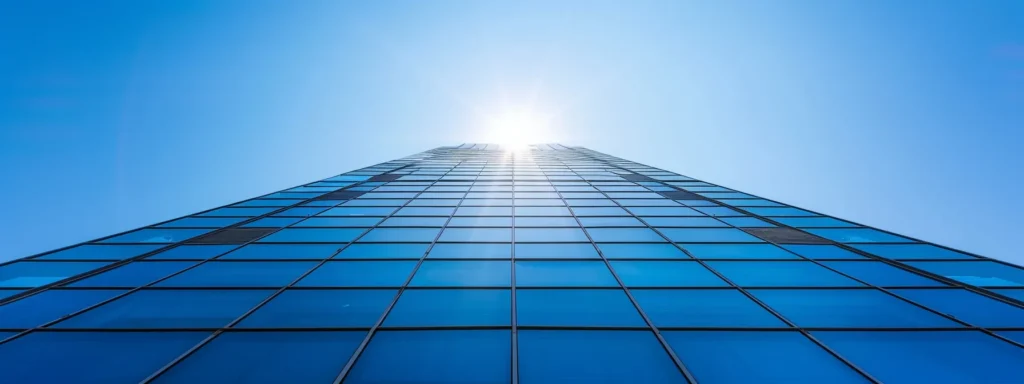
[[905, 115]]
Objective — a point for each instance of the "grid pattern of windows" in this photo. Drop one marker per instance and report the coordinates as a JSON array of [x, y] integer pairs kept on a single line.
[[471, 264]]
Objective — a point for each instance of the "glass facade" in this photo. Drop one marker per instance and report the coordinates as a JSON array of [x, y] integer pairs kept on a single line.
[[472, 264]]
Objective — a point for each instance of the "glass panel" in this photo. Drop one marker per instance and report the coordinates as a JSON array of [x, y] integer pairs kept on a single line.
[[425, 211], [339, 222], [849, 308], [134, 274], [414, 222], [563, 274], [267, 357], [549, 356], [738, 251], [600, 211], [313, 235], [665, 274], [567, 251], [383, 251], [881, 274], [283, 251], [684, 222], [576, 307], [154, 235], [978, 273], [770, 357], [467, 251], [703, 308], [46, 306], [92, 357], [463, 273], [858, 235], [476, 235], [542, 211], [639, 251], [822, 252], [227, 212], [611, 222], [967, 306], [240, 274], [551, 221], [359, 274], [449, 356], [484, 211], [928, 356], [273, 222], [812, 222], [780, 274], [625, 235], [911, 251], [451, 307], [550, 235], [746, 222], [192, 252], [712, 235], [400, 235], [170, 309], [312, 308], [100, 252], [480, 222], [31, 274]]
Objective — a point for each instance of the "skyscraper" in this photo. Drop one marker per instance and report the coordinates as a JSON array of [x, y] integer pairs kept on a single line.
[[472, 264]]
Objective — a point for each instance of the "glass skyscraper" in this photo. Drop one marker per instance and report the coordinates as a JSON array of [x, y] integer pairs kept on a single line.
[[471, 264]]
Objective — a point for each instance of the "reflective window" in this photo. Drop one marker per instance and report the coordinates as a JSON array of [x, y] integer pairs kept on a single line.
[[771, 357], [283, 251], [471, 251], [546, 221], [203, 222], [563, 274], [813, 222], [565, 251], [778, 211], [476, 235], [624, 235], [698, 235], [684, 222], [383, 251], [599, 211], [858, 235], [542, 211], [339, 222], [50, 305], [400, 235], [550, 235], [911, 251], [927, 356], [313, 235], [358, 211], [451, 307], [414, 222], [738, 251], [463, 274], [978, 273], [851, 308], [642, 251], [359, 274], [718, 211], [480, 222], [93, 357], [301, 211], [703, 308], [556, 356], [746, 222], [425, 211], [822, 252], [484, 211], [100, 252], [31, 274], [881, 274], [967, 306], [134, 274], [156, 235], [780, 274], [576, 307], [267, 357], [273, 222], [590, 203], [170, 309], [439, 356], [611, 222], [228, 212], [665, 274], [240, 274], [316, 308]]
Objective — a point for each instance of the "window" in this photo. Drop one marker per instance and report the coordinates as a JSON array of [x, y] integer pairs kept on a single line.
[[542, 211], [359, 274], [684, 222], [484, 211], [858, 235], [480, 222], [555, 202], [599, 211], [780, 274], [590, 203], [738, 251], [242, 212], [978, 273], [927, 356], [135, 274], [240, 274], [400, 235], [451, 307], [313, 235], [813, 222], [476, 235], [624, 235], [100, 252], [358, 211], [563, 274], [698, 235], [611, 222], [822, 252], [576, 307], [425, 211], [703, 308], [300, 211], [471, 251], [967, 306], [31, 274], [47, 306], [282, 251], [463, 274], [647, 203], [641, 251], [438, 356], [563, 235], [414, 222], [550, 221], [718, 211], [383, 251], [747, 222], [851, 308], [316, 308], [434, 202], [156, 235], [910, 251], [881, 274], [664, 211], [169, 309], [556, 356], [778, 211], [560, 251], [95, 357], [665, 274], [267, 203], [273, 222], [771, 357], [270, 357], [203, 222], [339, 222]]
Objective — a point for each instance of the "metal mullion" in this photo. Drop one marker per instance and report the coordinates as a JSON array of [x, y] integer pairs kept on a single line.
[[376, 326], [259, 305], [650, 324], [512, 267], [750, 296]]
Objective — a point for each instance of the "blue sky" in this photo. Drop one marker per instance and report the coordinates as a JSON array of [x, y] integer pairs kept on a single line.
[[902, 115]]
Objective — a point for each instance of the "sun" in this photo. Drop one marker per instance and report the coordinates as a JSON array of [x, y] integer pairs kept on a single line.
[[516, 128]]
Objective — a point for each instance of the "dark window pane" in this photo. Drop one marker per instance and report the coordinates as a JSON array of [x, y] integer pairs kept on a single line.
[[849, 308], [359, 274], [170, 309], [49, 305], [910, 251], [31, 274], [313, 235], [451, 357], [881, 274], [978, 273], [711, 235], [821, 252], [383, 251], [100, 252], [703, 308], [780, 274], [548, 356], [240, 274], [134, 274], [738, 251], [451, 307], [311, 308], [192, 252], [967, 306], [576, 307], [272, 222], [267, 357]]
